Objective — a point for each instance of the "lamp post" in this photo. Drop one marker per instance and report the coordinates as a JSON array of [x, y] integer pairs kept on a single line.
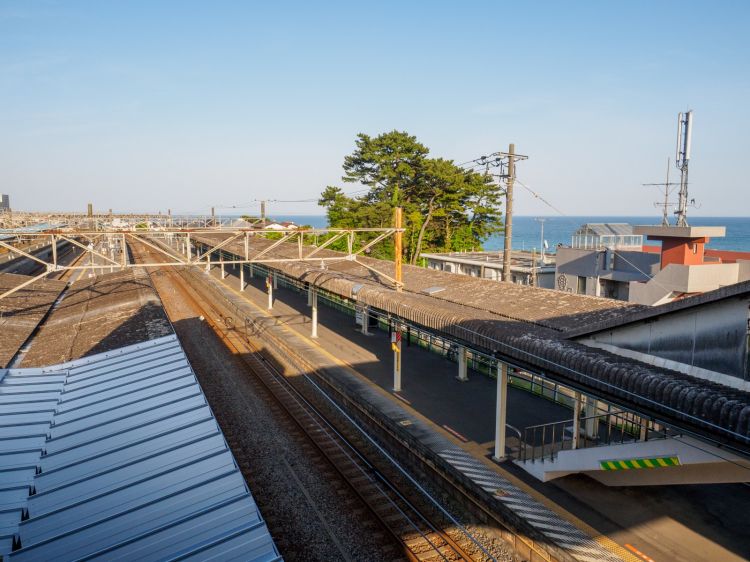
[[541, 220]]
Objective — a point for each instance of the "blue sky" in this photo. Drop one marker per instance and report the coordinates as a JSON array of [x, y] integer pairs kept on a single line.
[[185, 105]]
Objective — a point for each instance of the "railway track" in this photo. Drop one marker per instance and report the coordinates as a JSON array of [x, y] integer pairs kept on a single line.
[[420, 534]]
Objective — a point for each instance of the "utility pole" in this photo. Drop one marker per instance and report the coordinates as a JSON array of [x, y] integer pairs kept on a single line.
[[506, 161], [508, 212], [398, 246]]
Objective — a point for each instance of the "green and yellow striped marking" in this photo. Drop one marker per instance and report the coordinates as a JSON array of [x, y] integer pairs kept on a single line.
[[651, 462]]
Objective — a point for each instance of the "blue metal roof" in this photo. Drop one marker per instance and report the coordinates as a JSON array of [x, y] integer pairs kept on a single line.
[[118, 455]]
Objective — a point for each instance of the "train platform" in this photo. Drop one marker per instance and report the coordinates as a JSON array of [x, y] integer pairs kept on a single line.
[[456, 420], [432, 407]]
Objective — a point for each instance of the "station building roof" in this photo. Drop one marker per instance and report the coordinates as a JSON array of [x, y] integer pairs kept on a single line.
[[118, 456], [21, 312], [96, 314]]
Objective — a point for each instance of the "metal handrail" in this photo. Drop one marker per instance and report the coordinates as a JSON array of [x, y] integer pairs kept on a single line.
[[619, 429]]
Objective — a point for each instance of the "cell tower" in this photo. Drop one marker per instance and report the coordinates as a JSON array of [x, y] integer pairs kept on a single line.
[[682, 158]]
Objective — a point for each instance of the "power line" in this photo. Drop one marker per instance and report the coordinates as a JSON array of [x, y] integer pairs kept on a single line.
[[619, 254]]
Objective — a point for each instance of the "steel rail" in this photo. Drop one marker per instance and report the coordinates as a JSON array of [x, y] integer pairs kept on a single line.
[[234, 340]]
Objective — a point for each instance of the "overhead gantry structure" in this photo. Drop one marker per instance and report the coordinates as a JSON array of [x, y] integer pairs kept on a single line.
[[107, 249]]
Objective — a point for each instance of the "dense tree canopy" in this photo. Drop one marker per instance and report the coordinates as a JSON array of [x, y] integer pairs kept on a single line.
[[446, 208]]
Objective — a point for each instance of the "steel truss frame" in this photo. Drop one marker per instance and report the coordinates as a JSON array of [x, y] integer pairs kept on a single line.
[[177, 245]]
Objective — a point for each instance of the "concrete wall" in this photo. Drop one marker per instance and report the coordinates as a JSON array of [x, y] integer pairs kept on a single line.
[[685, 279], [708, 341], [574, 263], [596, 263]]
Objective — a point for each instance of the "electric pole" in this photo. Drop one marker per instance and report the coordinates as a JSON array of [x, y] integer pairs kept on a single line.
[[507, 244], [506, 161]]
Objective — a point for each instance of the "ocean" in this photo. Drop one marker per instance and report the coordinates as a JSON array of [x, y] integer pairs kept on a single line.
[[557, 229]]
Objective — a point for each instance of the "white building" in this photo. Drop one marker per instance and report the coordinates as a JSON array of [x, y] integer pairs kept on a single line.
[[524, 268]]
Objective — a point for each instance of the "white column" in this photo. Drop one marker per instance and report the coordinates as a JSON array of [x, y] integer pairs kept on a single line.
[[591, 422], [242, 277], [463, 364], [269, 286], [396, 346], [314, 314], [576, 420], [223, 272], [501, 410], [310, 294], [365, 321], [275, 280], [252, 273]]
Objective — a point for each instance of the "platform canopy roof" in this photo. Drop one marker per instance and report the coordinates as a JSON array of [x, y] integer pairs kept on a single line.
[[118, 456]]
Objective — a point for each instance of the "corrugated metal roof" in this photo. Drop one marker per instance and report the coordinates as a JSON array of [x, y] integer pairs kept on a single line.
[[118, 455]]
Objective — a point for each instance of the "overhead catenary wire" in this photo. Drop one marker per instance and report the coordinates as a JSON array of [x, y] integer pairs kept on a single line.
[[619, 254]]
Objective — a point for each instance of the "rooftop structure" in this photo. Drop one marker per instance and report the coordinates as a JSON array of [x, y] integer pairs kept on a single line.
[[606, 235], [526, 269], [682, 245], [119, 456], [610, 260]]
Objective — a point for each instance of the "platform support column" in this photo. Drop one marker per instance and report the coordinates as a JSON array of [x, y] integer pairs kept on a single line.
[[242, 277], [365, 321], [501, 410], [463, 364], [396, 347], [221, 259], [269, 286], [590, 423], [309, 294], [251, 271], [275, 280], [314, 315], [576, 420]]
